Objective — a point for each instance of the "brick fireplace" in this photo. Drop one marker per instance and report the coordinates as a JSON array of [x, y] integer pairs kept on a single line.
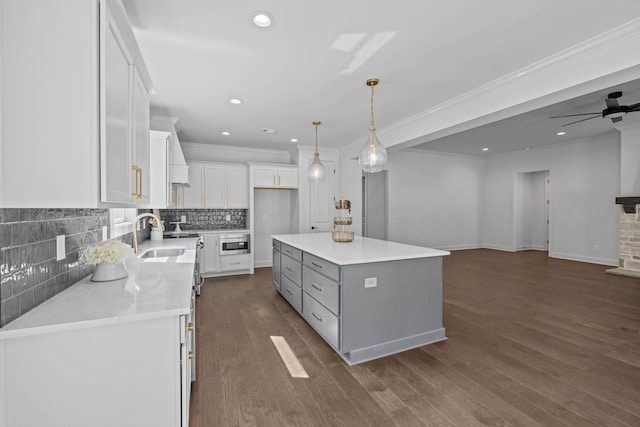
[[629, 238]]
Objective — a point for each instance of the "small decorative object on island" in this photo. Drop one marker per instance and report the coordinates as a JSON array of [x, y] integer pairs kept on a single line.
[[108, 256], [342, 220]]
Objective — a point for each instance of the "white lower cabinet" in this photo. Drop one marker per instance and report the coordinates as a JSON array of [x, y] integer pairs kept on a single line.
[[234, 262], [120, 374], [210, 262]]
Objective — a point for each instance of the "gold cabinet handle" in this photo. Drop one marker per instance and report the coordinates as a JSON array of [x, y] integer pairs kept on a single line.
[[191, 326], [274, 180], [178, 199], [138, 171], [171, 197], [278, 179], [191, 354]]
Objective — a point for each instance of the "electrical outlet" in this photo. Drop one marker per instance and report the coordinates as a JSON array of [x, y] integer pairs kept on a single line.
[[596, 248], [183, 218], [228, 218], [370, 282], [61, 252]]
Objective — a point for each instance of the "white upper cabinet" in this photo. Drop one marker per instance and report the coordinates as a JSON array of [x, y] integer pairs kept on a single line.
[[124, 142], [268, 176], [70, 98], [216, 186]]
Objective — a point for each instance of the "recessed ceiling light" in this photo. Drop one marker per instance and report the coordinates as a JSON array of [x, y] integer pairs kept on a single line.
[[294, 139], [485, 149], [262, 19], [226, 133], [235, 101], [561, 133], [527, 148]]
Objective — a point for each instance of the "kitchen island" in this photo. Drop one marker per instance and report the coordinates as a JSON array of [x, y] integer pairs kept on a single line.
[[368, 298], [106, 353]]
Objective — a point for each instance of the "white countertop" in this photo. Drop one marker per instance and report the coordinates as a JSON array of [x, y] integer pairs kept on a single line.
[[156, 287], [361, 251]]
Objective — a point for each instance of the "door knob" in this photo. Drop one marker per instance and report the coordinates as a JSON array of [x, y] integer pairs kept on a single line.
[[313, 228]]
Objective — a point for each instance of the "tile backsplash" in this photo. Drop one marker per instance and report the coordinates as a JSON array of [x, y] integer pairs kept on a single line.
[[29, 272], [206, 219]]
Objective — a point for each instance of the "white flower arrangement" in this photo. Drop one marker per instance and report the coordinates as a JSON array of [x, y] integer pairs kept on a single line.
[[111, 251]]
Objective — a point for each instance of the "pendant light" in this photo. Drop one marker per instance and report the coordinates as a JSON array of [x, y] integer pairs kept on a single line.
[[317, 171], [373, 155]]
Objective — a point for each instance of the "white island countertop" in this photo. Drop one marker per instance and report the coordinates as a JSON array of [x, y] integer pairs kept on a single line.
[[156, 287], [361, 251]]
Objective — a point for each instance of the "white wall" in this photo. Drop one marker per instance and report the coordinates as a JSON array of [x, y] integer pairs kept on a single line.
[[434, 199], [585, 179], [630, 158]]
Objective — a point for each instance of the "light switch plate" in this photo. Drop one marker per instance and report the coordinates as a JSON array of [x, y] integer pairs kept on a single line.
[[370, 282], [61, 252]]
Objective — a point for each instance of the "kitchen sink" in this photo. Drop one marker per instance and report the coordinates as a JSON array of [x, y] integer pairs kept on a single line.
[[156, 253]]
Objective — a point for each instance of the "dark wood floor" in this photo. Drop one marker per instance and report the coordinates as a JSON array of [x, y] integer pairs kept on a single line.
[[533, 341]]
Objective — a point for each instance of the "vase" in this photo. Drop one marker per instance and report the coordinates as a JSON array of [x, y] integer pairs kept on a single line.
[[106, 271]]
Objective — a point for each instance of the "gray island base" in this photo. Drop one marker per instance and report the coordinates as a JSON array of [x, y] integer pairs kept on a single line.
[[368, 298]]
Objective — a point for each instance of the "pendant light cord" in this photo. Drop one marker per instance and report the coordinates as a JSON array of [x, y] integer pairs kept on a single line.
[[373, 128], [316, 139]]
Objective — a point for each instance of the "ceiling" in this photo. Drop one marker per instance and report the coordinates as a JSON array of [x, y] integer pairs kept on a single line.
[[313, 62], [536, 128]]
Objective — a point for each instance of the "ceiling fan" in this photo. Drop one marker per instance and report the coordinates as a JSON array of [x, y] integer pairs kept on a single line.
[[614, 111]]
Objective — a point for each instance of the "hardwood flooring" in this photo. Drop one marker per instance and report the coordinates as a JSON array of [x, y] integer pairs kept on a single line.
[[533, 341]]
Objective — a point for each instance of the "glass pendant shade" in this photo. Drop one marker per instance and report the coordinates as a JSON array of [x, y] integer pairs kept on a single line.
[[316, 172], [373, 155]]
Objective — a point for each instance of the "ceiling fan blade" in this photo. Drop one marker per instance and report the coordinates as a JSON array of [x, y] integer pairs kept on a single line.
[[616, 119], [588, 118], [575, 115], [612, 102]]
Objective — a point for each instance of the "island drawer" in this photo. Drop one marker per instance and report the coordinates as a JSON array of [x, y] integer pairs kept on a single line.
[[276, 244], [324, 290], [291, 251], [292, 293], [321, 319], [322, 266], [292, 269]]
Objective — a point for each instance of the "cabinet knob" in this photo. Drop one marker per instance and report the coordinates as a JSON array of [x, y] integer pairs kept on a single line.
[[191, 326], [313, 227], [191, 355]]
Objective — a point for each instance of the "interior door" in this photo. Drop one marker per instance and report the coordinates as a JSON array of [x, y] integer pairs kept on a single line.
[[322, 197]]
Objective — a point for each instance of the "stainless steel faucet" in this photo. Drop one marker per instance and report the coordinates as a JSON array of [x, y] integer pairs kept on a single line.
[[135, 226]]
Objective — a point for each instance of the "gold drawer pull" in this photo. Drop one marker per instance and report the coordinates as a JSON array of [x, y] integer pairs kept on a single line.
[[191, 355], [191, 326]]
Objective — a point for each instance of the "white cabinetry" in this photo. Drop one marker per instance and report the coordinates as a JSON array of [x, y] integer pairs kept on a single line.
[[268, 176], [68, 91], [211, 259], [122, 374], [124, 142], [216, 186]]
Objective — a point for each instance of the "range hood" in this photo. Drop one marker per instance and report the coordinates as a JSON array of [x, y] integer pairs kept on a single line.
[[179, 168]]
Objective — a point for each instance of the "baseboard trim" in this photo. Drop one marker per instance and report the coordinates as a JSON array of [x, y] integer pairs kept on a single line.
[[582, 258]]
